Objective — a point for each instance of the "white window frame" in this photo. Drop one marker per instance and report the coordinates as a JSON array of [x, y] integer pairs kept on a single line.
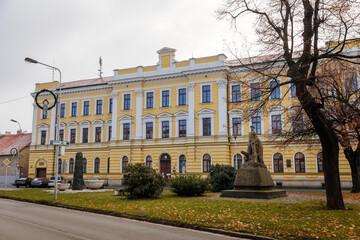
[[108, 108], [145, 100], [177, 96], [77, 108], [161, 120], [201, 93], [236, 113], [251, 82], [98, 123], [279, 86], [83, 107], [295, 165], [178, 163], [202, 162], [161, 97], [231, 95], [146, 119], [43, 127], [94, 166], [123, 101], [108, 124], [257, 113], [102, 108], [84, 124], [62, 127], [121, 163], [272, 159], [207, 115], [276, 110], [122, 122]]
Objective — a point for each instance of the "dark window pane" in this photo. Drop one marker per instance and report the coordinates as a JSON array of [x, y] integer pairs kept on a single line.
[[165, 98], [149, 130], [85, 135], [206, 94], [206, 163], [206, 126], [182, 96], [86, 111], [72, 135], [236, 93], [43, 137], [165, 129], [62, 110], [61, 134], [99, 106], [276, 124], [110, 105], [275, 94], [98, 134], [278, 163], [126, 132], [74, 109], [182, 128], [255, 94], [127, 101], [149, 100], [110, 133], [236, 126], [97, 165]]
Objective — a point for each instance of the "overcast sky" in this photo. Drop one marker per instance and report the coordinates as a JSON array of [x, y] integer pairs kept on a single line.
[[73, 34]]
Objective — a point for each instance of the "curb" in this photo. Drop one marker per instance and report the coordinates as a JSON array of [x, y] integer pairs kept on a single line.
[[144, 219]]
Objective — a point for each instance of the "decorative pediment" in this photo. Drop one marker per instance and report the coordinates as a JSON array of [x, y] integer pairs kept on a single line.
[[205, 111], [62, 125], [109, 121], [165, 115], [236, 111], [72, 124], [166, 50], [275, 108], [43, 125], [85, 123], [148, 116], [98, 122], [125, 117], [181, 114]]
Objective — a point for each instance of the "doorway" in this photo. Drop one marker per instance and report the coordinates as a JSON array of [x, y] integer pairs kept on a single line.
[[41, 172], [165, 165]]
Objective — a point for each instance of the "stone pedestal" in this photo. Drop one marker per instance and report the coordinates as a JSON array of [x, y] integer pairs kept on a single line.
[[78, 181], [253, 182]]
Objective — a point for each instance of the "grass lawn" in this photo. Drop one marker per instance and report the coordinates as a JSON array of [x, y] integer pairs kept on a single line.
[[307, 220]]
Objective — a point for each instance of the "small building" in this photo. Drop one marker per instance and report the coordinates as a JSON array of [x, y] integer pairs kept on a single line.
[[18, 165]]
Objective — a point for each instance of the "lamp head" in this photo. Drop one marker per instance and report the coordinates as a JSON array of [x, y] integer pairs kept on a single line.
[[30, 60], [13, 120]]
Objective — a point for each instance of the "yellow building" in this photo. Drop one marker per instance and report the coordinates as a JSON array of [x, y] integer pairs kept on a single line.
[[174, 117]]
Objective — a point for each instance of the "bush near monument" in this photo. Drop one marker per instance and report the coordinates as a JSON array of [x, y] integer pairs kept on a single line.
[[189, 185], [142, 182], [222, 177]]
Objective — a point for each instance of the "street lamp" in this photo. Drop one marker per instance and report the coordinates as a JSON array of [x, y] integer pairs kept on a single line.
[[18, 152], [57, 128]]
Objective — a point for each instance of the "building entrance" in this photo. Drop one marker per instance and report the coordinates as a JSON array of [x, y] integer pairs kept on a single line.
[[41, 172], [165, 165]]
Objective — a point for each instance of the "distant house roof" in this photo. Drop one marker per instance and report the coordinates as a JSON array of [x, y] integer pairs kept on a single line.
[[7, 142], [86, 82]]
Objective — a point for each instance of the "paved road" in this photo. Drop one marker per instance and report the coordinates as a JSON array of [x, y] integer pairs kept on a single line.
[[20, 220]]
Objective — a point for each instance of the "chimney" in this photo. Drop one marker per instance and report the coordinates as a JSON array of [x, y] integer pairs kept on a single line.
[[19, 132], [7, 133]]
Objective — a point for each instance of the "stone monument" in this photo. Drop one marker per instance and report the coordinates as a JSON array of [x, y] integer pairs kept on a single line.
[[78, 181], [253, 180]]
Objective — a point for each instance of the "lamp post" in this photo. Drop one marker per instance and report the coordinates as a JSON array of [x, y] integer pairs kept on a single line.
[[18, 152], [57, 128]]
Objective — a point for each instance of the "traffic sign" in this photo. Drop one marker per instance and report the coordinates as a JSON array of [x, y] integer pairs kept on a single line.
[[59, 143], [7, 162]]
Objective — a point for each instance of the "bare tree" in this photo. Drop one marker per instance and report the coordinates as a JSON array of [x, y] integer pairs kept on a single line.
[[292, 34]]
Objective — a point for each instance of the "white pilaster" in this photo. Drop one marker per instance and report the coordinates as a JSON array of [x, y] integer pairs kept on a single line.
[[52, 122], [34, 132], [114, 117], [191, 100], [139, 108], [222, 83]]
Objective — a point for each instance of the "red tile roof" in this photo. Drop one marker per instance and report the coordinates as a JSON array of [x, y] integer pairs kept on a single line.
[[86, 82], [7, 142]]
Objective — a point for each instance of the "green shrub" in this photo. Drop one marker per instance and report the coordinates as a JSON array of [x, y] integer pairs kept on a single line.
[[142, 182], [222, 177], [189, 185]]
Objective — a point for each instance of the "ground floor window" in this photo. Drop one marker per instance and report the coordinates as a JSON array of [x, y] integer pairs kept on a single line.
[[237, 161], [182, 164], [148, 161], [206, 163], [97, 165], [84, 165], [124, 163], [71, 165], [299, 162], [320, 165], [278, 163]]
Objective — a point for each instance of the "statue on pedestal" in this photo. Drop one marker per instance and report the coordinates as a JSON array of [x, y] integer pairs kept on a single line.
[[254, 155]]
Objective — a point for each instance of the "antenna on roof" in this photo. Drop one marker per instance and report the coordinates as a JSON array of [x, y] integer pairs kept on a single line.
[[100, 67]]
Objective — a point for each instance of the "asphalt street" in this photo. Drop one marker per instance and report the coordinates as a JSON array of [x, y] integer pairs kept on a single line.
[[21, 220]]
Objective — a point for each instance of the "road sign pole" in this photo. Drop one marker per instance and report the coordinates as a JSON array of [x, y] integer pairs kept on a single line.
[[6, 176]]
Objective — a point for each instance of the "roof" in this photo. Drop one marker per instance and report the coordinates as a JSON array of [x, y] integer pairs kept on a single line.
[[7, 142], [86, 82]]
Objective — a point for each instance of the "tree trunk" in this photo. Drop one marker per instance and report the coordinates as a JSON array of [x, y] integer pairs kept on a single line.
[[353, 158]]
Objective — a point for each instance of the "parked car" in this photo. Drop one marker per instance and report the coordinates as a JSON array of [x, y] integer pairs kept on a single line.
[[52, 180], [39, 182], [26, 182]]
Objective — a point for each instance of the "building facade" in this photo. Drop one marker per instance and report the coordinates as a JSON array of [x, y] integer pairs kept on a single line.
[[176, 117]]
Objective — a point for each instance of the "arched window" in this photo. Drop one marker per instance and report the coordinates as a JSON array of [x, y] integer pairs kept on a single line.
[[182, 164], [299, 162], [320, 166], [97, 165], [71, 165], [124, 163], [148, 161], [59, 165], [278, 160], [237, 161], [206, 163], [84, 165], [108, 166]]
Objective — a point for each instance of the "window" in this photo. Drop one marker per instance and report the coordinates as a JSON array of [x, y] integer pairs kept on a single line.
[[206, 98], [298, 123], [127, 101], [108, 166], [97, 134], [109, 132], [43, 137], [148, 162], [237, 161], [84, 165], [85, 135], [110, 105], [299, 162], [182, 96], [165, 98], [97, 165], [206, 126], [99, 106], [150, 100], [276, 124], [126, 131], [74, 109], [236, 126], [319, 159], [206, 163], [62, 110], [351, 81], [182, 128], [124, 163], [72, 135], [182, 164], [59, 165], [165, 129], [292, 90], [61, 134], [236, 93], [256, 122], [71, 165], [149, 130], [86, 110], [278, 163], [255, 94], [275, 90], [44, 114]]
